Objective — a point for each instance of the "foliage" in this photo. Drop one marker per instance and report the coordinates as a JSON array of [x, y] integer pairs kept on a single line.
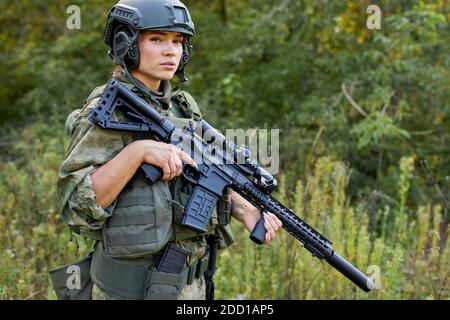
[[406, 260], [364, 118], [290, 63], [33, 237]]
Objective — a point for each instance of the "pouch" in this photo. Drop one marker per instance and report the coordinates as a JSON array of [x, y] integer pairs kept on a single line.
[[73, 281]]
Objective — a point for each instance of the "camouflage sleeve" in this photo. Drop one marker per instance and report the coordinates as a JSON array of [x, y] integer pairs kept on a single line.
[[82, 209], [89, 148]]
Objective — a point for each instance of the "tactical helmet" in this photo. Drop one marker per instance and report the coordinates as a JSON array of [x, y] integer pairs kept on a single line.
[[128, 17]]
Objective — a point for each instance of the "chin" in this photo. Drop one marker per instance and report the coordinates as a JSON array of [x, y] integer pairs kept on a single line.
[[167, 76]]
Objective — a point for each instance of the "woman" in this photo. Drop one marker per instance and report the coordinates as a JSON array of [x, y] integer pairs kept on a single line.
[[103, 197]]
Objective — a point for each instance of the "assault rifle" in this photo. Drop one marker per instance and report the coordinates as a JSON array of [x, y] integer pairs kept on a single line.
[[220, 164]]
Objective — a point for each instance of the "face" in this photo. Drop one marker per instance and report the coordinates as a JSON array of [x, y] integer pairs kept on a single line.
[[160, 54]]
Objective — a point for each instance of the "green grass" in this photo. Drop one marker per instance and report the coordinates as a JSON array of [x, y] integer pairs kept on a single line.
[[405, 250], [408, 259]]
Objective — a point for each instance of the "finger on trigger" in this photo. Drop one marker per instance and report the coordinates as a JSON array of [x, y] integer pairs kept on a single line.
[[186, 158]]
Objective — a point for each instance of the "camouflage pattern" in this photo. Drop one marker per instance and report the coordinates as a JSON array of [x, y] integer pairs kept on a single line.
[[194, 291], [89, 148]]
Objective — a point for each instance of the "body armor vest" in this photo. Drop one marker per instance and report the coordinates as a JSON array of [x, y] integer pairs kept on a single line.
[[146, 218]]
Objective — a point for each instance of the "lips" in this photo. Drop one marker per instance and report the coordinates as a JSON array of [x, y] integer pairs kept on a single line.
[[168, 63]]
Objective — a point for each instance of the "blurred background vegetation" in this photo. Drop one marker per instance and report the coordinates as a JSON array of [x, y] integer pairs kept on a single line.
[[364, 144]]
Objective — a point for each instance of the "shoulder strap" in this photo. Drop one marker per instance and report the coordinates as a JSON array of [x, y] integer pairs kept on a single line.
[[187, 104]]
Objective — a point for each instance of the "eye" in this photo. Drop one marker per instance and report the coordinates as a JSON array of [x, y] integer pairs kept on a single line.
[[155, 39], [178, 41]]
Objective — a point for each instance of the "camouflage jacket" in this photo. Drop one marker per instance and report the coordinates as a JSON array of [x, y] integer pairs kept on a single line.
[[89, 148]]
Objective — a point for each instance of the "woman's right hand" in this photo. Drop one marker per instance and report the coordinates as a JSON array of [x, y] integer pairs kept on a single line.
[[165, 156]]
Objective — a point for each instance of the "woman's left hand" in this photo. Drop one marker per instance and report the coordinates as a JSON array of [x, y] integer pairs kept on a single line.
[[249, 215], [272, 225]]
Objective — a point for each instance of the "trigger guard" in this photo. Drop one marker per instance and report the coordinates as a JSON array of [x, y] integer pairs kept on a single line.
[[185, 172]]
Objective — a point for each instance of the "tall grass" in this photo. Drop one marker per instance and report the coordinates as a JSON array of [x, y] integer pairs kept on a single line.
[[407, 259], [33, 237], [406, 252]]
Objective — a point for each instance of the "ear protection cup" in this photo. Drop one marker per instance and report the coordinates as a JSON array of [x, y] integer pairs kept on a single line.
[[132, 59], [124, 47], [187, 49]]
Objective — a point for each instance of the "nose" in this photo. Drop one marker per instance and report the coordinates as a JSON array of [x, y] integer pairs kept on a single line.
[[170, 49]]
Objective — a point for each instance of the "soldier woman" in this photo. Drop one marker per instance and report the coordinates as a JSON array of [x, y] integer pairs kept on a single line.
[[103, 197]]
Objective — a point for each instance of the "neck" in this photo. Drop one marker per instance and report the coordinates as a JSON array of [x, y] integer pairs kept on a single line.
[[152, 84]]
